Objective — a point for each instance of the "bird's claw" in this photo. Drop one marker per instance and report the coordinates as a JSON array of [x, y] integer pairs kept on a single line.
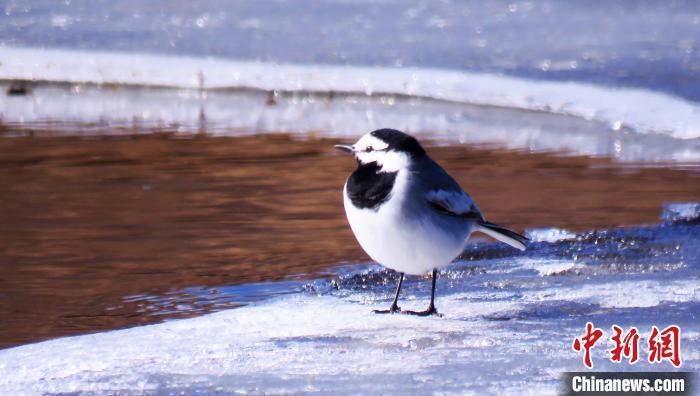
[[392, 310], [428, 312]]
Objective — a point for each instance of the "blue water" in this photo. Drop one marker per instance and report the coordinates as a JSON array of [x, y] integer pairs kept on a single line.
[[555, 258], [648, 44]]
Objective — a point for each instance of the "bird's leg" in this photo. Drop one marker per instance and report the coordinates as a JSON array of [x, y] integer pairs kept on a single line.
[[431, 308], [394, 305]]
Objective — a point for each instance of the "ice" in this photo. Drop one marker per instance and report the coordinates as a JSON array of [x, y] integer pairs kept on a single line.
[[552, 267], [509, 320], [652, 45], [681, 211], [330, 344], [641, 110], [106, 93], [549, 234]]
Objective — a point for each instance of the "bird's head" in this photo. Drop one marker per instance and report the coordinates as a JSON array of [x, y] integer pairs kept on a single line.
[[390, 149]]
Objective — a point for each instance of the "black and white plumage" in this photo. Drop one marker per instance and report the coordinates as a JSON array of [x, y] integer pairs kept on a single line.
[[406, 212]]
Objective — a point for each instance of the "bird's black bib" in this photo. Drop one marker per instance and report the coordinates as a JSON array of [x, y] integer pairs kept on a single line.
[[368, 188]]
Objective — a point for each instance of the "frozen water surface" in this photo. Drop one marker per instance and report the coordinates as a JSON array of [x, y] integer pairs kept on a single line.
[[646, 44], [95, 92], [509, 321]]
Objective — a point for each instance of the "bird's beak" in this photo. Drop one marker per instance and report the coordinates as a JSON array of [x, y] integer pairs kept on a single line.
[[345, 148]]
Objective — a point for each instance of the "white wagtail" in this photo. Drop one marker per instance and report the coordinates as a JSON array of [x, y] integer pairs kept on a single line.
[[407, 213]]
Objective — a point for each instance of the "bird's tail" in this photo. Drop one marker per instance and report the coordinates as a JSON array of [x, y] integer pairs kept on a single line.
[[502, 234]]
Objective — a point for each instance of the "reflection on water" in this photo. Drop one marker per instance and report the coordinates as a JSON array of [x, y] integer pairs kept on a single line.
[[96, 232], [197, 300]]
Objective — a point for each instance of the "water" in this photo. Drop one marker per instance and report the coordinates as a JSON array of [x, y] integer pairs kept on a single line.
[[504, 312], [105, 232]]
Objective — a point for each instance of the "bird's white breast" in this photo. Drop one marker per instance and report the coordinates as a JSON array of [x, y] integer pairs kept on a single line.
[[406, 242]]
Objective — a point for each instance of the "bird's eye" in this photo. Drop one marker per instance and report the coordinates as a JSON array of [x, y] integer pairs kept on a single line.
[[368, 149]]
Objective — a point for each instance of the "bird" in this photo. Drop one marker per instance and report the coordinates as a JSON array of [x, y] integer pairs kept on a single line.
[[407, 213]]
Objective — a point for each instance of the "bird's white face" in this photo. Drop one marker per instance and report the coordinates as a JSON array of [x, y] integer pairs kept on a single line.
[[372, 149]]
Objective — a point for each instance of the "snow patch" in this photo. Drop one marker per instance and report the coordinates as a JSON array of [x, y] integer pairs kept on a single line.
[[681, 211], [547, 268], [550, 234]]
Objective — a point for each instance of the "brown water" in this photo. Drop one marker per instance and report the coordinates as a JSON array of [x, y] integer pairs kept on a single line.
[[87, 223]]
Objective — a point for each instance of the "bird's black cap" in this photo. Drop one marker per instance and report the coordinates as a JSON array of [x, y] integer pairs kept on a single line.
[[399, 141]]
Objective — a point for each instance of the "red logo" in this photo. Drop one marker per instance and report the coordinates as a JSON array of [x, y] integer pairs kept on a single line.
[[669, 346], [627, 347], [587, 342], [663, 345]]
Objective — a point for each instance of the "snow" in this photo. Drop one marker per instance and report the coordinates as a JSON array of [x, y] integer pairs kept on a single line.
[[681, 211], [550, 234]]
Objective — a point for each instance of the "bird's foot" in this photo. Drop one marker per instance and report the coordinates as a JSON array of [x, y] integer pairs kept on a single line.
[[392, 310], [428, 312]]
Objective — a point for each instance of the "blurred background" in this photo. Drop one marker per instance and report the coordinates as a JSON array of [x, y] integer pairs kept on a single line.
[[161, 159]]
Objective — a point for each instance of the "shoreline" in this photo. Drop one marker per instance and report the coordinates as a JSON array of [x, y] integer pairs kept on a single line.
[[102, 92], [212, 212], [507, 304]]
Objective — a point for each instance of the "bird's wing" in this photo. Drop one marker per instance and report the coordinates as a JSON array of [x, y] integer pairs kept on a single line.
[[454, 203], [442, 193]]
